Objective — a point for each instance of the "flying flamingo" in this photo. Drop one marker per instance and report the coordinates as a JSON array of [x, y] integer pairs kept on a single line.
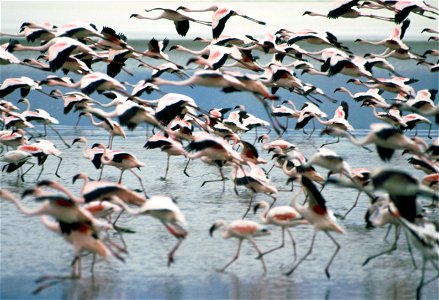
[[282, 216], [241, 229], [317, 214], [220, 16], [181, 21]]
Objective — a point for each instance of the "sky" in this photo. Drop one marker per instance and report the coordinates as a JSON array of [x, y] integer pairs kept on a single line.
[[277, 14]]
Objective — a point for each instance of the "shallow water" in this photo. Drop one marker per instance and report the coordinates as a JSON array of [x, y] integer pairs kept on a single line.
[[29, 250]]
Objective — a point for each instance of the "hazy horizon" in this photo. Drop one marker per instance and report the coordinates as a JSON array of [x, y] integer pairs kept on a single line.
[[277, 15]]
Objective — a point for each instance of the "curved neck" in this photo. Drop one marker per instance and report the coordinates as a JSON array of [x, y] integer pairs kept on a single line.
[[28, 211], [291, 172]]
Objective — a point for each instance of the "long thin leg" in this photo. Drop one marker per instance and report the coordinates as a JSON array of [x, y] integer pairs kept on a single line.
[[313, 129], [172, 252], [388, 231], [393, 248], [167, 168], [57, 168], [272, 166], [32, 165], [421, 284], [330, 143], [41, 172], [259, 252], [305, 256], [140, 181], [184, 171], [223, 179], [249, 205], [101, 172], [333, 256], [60, 136], [120, 178], [409, 246], [274, 200], [234, 258], [353, 206], [293, 243], [275, 248]]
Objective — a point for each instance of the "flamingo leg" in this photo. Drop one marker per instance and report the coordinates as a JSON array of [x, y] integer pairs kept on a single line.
[[274, 200], [167, 168], [313, 129], [249, 205], [140, 181], [421, 284], [223, 179], [330, 143], [234, 258], [41, 172], [410, 250], [120, 178], [185, 168], [259, 253], [393, 248], [57, 168], [101, 173], [32, 165], [293, 243], [333, 256], [355, 204], [275, 248], [305, 256], [172, 252]]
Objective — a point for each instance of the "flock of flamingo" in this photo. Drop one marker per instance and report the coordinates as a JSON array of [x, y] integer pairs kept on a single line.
[[182, 128]]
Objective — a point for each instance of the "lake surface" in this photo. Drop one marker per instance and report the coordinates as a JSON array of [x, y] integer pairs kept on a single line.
[[29, 250]]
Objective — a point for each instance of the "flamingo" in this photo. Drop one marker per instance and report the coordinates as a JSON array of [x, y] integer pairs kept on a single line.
[[113, 128], [280, 144], [220, 16], [340, 120], [285, 111], [167, 212], [25, 84], [43, 117], [317, 214], [346, 9], [60, 207], [100, 190], [15, 159], [42, 149], [166, 144], [255, 179], [121, 160], [387, 139], [282, 216], [181, 21], [241, 229], [424, 237], [59, 48]]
